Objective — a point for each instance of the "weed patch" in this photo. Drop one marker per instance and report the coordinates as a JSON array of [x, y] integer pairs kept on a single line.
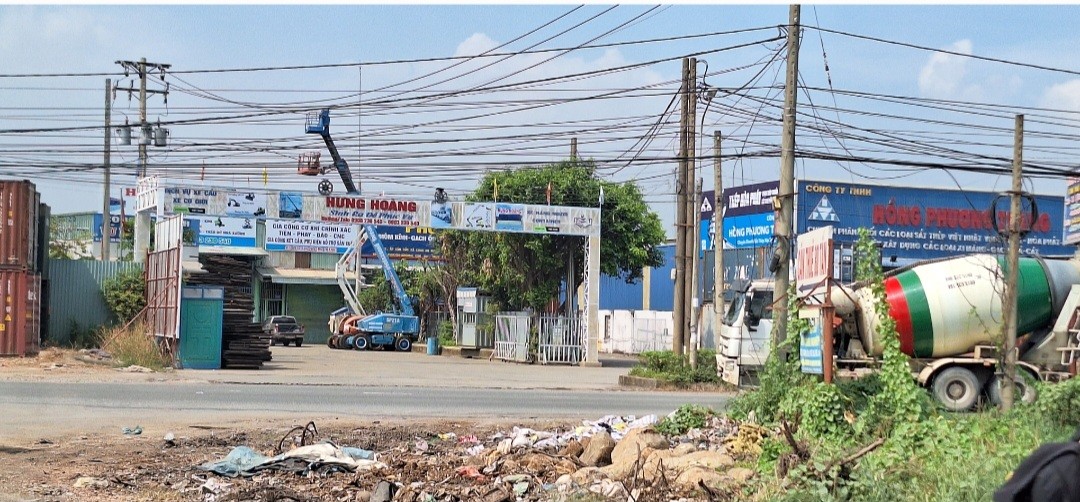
[[134, 345]]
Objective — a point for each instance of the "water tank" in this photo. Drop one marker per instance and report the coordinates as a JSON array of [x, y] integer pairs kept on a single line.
[[947, 307]]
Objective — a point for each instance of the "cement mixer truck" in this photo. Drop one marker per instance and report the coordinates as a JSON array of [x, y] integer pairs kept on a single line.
[[948, 315]]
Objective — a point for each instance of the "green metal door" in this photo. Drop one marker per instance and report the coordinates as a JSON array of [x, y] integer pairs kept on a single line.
[[200, 327]]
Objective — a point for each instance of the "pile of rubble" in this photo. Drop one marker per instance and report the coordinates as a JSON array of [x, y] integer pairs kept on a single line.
[[615, 458]]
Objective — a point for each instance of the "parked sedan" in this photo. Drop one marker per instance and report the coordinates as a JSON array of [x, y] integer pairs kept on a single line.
[[284, 329]]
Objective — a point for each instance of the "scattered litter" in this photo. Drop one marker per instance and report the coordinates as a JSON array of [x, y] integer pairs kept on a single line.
[[170, 439], [135, 368], [471, 472], [132, 431], [322, 458]]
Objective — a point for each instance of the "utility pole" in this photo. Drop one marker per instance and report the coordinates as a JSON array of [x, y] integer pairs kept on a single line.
[[787, 187], [692, 208], [106, 216], [1012, 275], [718, 238], [142, 218], [573, 148], [680, 217], [695, 308]]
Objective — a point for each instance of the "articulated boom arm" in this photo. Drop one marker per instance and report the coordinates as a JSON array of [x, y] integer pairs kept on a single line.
[[404, 302], [320, 125]]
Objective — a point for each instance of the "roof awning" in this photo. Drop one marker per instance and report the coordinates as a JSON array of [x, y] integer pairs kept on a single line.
[[233, 251], [298, 276]]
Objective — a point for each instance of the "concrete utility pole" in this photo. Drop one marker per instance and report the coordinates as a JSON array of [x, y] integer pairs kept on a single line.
[[573, 148], [142, 218], [106, 215], [1012, 275], [692, 208], [695, 306], [681, 186], [718, 239], [787, 186]]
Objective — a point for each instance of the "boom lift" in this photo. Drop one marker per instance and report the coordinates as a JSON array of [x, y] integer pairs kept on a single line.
[[351, 327], [319, 123]]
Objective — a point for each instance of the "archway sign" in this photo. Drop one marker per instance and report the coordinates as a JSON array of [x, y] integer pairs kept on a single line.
[[295, 221]]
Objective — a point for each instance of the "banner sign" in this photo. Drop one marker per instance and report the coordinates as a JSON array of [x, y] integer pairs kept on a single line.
[[750, 199], [114, 227], [813, 259], [291, 205], [1072, 215], [923, 223], [811, 345], [213, 202], [476, 215], [404, 243], [307, 236], [224, 231], [368, 211]]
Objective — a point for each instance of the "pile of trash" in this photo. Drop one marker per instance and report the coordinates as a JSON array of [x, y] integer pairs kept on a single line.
[[615, 458]]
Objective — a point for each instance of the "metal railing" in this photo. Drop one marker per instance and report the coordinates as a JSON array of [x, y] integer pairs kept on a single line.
[[562, 340], [512, 337]]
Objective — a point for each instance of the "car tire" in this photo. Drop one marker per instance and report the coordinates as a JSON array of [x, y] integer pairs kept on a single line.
[[403, 344], [956, 388], [299, 342], [362, 342]]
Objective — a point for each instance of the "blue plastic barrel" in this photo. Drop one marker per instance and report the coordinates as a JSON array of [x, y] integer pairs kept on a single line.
[[432, 346]]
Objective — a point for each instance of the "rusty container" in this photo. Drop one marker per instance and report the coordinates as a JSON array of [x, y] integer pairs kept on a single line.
[[19, 226], [20, 313]]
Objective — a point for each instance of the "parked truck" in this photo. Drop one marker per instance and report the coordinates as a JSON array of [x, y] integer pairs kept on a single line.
[[948, 315]]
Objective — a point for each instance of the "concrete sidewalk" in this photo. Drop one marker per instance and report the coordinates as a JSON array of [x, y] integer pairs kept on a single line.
[[321, 365]]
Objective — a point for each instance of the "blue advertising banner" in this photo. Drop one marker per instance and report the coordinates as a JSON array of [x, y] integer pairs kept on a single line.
[[407, 243], [810, 348], [922, 223], [114, 227], [750, 230]]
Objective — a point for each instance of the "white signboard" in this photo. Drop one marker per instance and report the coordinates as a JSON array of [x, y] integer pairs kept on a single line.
[[368, 211], [813, 259], [475, 215], [562, 220], [307, 236], [251, 204], [224, 231]]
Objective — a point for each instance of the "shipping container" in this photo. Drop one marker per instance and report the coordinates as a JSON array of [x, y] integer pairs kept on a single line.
[[20, 313], [19, 238]]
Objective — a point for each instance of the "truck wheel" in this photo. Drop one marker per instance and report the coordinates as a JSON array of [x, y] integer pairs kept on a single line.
[[956, 388], [299, 342], [362, 342], [1024, 389], [403, 344], [330, 341]]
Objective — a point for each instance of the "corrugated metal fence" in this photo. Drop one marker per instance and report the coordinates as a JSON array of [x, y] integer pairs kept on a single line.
[[75, 295]]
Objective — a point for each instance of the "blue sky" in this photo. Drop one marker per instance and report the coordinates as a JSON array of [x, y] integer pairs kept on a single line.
[[378, 143]]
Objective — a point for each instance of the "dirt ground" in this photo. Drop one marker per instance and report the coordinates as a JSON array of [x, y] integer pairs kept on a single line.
[[424, 460]]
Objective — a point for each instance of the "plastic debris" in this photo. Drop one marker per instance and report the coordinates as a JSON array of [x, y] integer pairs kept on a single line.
[[471, 472], [132, 431], [321, 457]]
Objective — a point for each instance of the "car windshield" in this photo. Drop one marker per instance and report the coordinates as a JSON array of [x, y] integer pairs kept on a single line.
[[284, 320], [734, 309]]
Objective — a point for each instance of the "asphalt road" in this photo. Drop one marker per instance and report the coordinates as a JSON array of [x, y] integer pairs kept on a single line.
[[34, 410]]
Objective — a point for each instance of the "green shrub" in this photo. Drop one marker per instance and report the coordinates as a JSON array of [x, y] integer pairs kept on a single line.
[[1059, 403], [125, 294], [446, 334], [666, 366], [688, 416]]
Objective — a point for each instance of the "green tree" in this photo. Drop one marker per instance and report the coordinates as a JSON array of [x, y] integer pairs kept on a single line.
[[522, 270]]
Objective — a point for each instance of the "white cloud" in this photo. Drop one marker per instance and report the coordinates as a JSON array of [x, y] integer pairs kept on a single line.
[[1065, 95], [944, 75], [475, 44]]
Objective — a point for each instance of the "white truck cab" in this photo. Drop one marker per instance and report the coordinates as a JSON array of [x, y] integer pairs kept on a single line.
[[745, 333]]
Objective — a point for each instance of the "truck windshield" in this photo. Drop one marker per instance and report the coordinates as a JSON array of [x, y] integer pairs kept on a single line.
[[734, 309]]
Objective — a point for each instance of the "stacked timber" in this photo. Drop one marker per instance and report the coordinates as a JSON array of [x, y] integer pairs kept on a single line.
[[244, 345]]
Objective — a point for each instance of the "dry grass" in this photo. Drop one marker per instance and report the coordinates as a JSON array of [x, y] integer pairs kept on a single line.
[[135, 345]]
